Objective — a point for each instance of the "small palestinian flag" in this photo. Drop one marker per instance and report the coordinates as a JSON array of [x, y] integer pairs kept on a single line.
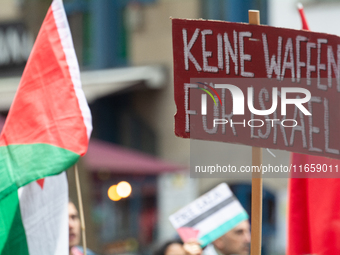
[[209, 216], [46, 131]]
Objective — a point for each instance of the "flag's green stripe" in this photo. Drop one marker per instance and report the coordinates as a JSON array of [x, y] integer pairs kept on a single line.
[[24, 163], [224, 228], [12, 232]]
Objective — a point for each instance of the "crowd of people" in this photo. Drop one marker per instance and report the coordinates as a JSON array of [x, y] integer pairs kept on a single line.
[[234, 242]]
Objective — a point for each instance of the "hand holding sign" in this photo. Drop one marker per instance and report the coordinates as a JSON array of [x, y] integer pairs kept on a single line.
[[192, 247]]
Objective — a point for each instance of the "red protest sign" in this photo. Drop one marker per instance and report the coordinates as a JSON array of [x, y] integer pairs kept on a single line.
[[257, 85]]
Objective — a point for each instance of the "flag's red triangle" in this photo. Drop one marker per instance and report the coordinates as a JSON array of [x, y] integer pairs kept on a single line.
[[41, 183], [188, 233]]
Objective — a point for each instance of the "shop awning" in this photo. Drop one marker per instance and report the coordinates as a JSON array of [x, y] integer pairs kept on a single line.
[[108, 157], [98, 83]]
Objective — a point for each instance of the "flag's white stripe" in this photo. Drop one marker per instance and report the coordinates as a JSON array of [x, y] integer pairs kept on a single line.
[[71, 58], [218, 218], [195, 208], [44, 213]]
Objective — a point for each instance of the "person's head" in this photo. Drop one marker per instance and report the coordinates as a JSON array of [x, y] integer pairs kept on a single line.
[[174, 247], [235, 241], [73, 224]]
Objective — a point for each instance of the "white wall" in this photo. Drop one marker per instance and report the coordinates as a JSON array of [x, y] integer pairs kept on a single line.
[[283, 13], [321, 17], [324, 18]]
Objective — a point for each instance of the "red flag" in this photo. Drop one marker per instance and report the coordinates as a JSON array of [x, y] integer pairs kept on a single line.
[[313, 211]]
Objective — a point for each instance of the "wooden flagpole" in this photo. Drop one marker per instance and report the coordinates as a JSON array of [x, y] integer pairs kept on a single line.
[[256, 181], [81, 210]]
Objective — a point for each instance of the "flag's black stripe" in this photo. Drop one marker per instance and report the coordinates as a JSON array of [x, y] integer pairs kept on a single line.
[[211, 211]]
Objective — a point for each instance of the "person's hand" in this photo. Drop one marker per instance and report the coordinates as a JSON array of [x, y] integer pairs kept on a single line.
[[192, 247]]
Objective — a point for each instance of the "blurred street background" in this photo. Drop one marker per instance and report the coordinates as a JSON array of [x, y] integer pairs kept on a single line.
[[124, 49]]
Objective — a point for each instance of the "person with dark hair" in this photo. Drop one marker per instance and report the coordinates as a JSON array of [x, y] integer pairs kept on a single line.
[[173, 247], [177, 247]]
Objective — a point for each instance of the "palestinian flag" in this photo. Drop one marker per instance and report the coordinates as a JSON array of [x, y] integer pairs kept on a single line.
[[46, 131], [34, 219], [49, 123]]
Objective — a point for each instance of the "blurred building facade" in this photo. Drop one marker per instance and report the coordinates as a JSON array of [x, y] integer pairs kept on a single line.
[[124, 48]]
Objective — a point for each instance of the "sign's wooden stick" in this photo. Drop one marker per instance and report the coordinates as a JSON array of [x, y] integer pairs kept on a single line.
[[254, 17], [81, 210], [256, 181], [256, 203]]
